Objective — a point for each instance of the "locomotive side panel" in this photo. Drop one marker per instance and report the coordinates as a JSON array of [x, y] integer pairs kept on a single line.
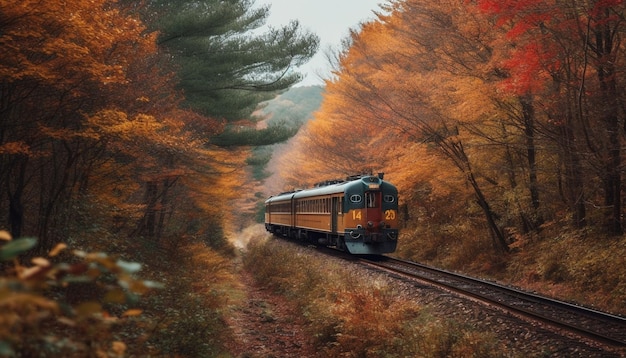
[[279, 218]]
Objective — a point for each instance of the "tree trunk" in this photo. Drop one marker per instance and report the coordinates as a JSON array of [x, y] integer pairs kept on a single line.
[[455, 151], [16, 207], [500, 241], [612, 159], [574, 189], [528, 113]]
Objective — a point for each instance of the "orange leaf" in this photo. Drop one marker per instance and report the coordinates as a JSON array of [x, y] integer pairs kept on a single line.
[[132, 312], [5, 235], [57, 249], [40, 261]]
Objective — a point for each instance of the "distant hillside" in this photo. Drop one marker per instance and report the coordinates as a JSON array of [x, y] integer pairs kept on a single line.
[[294, 107], [290, 110]]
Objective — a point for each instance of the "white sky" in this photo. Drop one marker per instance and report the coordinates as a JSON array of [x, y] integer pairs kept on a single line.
[[329, 19]]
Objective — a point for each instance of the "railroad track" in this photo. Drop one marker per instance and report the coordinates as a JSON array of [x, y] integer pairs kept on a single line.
[[592, 324]]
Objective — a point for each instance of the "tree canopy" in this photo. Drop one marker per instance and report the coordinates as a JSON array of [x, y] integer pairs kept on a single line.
[[520, 100], [227, 62]]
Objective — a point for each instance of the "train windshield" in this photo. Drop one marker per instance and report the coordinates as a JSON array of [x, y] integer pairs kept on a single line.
[[370, 199]]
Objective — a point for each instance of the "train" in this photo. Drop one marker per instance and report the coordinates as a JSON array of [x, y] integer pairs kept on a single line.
[[358, 214]]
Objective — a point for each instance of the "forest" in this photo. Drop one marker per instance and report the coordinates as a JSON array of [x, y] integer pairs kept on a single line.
[[137, 143], [502, 124]]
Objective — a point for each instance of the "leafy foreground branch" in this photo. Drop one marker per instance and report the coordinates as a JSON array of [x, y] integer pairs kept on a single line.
[[353, 314], [65, 309], [87, 304]]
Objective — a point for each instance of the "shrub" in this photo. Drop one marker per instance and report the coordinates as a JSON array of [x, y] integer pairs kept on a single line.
[[188, 312], [87, 304], [43, 314]]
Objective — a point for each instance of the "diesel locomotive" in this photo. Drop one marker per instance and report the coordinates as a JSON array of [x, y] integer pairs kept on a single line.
[[358, 215]]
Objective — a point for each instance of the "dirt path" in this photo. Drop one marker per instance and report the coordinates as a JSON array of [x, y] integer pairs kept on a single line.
[[267, 325]]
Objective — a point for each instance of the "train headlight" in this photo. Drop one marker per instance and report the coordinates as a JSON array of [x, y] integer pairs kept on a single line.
[[382, 224], [370, 224]]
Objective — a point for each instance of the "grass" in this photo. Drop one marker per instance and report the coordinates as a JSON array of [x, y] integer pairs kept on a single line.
[[581, 266], [187, 315], [352, 313]]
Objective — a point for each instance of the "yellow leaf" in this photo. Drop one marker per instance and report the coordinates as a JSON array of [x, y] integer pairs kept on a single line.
[[30, 272], [5, 235], [115, 296], [66, 321], [40, 261]]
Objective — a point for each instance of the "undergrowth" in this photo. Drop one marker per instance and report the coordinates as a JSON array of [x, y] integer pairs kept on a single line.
[[187, 314], [352, 313], [581, 266], [93, 304]]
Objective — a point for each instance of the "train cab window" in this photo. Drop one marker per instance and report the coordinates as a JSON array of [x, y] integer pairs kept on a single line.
[[389, 199], [370, 198], [355, 198]]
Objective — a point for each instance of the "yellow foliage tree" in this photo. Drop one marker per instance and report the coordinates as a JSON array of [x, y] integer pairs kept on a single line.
[[399, 87]]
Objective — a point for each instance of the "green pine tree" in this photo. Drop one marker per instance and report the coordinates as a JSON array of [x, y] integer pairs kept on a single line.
[[226, 63]]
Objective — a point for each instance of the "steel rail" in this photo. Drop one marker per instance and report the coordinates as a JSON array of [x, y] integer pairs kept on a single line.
[[565, 315]]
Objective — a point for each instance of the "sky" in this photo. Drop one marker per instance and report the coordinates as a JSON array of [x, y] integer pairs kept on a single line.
[[331, 20]]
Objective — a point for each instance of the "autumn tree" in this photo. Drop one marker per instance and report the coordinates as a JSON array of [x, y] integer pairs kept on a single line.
[[226, 63], [401, 73], [62, 62], [569, 52]]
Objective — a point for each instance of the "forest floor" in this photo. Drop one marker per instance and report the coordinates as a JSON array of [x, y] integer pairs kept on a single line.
[[267, 325]]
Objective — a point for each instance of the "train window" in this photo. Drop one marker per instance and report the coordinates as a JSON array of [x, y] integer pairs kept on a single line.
[[371, 200], [389, 198], [355, 198]]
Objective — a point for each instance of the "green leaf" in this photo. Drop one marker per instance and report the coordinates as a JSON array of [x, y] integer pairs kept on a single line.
[[6, 349], [153, 284], [16, 247]]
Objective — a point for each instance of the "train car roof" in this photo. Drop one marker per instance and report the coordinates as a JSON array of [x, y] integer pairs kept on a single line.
[[324, 190], [336, 187]]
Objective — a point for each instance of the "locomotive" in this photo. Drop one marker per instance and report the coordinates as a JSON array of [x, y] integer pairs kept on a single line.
[[358, 215]]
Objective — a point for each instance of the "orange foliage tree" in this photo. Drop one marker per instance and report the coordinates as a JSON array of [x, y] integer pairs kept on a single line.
[[60, 62], [89, 125], [391, 92], [521, 99]]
